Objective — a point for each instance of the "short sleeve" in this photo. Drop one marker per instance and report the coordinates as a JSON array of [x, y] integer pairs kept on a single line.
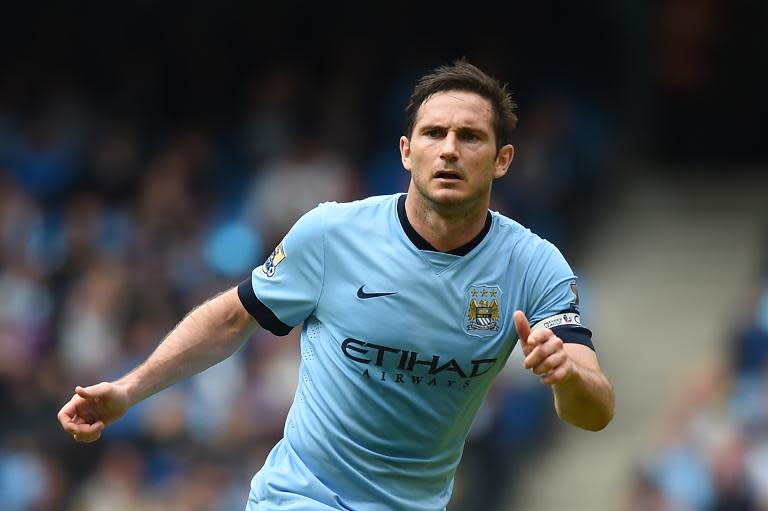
[[284, 291], [554, 297]]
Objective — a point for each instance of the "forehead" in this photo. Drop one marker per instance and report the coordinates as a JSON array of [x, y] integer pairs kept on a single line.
[[459, 108]]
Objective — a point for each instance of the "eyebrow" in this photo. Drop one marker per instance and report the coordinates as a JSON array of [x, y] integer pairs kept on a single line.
[[460, 129]]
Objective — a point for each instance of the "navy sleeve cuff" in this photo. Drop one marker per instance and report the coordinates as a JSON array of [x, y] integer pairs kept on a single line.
[[575, 335], [259, 311]]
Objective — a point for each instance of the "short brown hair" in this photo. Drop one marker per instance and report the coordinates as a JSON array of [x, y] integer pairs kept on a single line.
[[463, 76]]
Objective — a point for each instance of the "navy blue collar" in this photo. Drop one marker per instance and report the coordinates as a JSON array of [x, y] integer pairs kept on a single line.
[[423, 244]]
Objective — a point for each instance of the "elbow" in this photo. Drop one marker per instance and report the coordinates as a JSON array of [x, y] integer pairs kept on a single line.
[[593, 417], [600, 423], [591, 409], [601, 419], [605, 413], [595, 423]]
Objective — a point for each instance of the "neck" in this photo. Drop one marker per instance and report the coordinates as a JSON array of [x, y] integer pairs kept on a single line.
[[445, 227]]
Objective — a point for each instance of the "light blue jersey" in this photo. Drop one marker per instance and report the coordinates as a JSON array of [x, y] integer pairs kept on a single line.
[[399, 346]]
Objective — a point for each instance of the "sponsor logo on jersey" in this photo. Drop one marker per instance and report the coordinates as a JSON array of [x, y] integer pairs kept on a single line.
[[364, 296], [482, 315], [398, 365], [272, 262]]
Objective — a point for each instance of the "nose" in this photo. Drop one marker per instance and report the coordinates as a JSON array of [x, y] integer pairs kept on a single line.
[[449, 151]]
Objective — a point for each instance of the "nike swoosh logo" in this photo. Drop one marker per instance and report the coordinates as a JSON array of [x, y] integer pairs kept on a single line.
[[363, 295]]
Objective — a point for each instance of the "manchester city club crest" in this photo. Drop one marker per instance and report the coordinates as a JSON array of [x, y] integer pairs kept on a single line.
[[483, 312]]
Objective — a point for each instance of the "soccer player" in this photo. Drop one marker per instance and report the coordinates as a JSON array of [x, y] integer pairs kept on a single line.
[[411, 305]]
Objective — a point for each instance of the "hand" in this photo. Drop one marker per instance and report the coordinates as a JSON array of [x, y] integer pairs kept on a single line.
[[543, 350], [91, 409]]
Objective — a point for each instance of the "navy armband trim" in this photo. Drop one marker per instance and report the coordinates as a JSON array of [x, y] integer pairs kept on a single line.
[[259, 311], [575, 335]]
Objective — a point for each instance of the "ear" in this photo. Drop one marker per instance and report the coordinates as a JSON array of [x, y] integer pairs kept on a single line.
[[405, 152], [503, 159]]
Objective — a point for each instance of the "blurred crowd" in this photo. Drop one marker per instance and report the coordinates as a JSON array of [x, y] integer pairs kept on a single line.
[[712, 451], [112, 229]]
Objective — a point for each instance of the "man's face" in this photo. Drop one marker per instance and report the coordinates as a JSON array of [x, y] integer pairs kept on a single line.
[[452, 153]]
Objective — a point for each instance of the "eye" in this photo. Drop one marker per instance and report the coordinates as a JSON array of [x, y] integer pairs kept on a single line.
[[469, 136], [434, 133]]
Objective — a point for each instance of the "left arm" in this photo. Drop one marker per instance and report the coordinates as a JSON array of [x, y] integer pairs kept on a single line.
[[583, 395]]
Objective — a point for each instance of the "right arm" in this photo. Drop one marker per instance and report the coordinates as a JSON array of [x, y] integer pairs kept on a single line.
[[205, 337]]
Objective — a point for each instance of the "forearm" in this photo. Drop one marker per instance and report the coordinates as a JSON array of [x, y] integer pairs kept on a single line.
[[585, 399], [205, 337]]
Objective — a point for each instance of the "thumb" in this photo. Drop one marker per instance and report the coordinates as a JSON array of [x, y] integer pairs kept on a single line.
[[523, 329], [94, 392]]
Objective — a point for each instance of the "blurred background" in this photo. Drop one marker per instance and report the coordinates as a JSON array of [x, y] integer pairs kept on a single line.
[[153, 153]]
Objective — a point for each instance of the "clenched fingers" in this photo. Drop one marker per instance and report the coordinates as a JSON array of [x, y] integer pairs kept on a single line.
[[86, 432], [544, 350], [67, 413], [556, 375], [553, 361], [77, 419], [81, 429]]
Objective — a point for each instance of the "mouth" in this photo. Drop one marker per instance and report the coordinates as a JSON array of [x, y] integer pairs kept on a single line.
[[448, 175]]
